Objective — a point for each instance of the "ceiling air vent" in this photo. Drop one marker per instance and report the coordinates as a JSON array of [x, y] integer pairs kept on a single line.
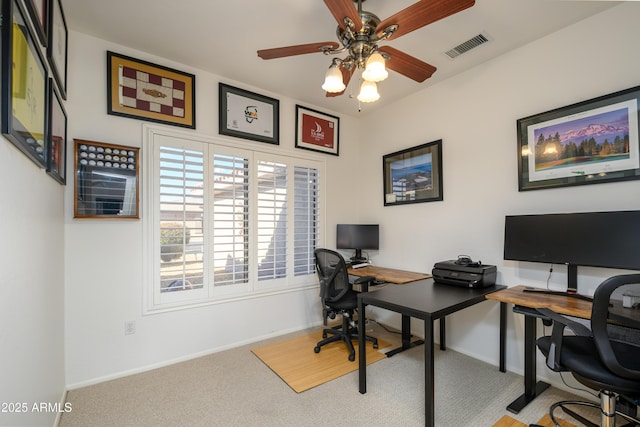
[[467, 46]]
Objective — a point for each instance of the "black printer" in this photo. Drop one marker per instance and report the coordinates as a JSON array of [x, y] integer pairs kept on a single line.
[[464, 272]]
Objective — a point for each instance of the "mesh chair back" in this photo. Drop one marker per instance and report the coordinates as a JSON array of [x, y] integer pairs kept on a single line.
[[616, 328], [332, 272]]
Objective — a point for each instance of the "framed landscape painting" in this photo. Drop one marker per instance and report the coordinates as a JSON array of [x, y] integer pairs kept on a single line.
[[413, 175], [590, 142]]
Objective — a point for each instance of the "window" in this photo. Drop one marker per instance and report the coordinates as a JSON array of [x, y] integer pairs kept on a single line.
[[226, 222]]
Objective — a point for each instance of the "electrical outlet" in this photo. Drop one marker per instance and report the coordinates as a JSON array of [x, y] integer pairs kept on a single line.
[[130, 327]]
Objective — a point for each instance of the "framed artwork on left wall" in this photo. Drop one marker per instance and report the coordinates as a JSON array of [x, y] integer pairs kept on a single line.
[[24, 84], [56, 137]]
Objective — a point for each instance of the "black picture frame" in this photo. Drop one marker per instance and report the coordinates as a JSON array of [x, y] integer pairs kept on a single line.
[[317, 131], [24, 85], [165, 95], [38, 11], [56, 136], [413, 175], [248, 115], [589, 142], [58, 35]]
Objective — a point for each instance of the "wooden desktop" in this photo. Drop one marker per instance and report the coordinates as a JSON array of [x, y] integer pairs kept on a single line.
[[389, 275], [526, 303]]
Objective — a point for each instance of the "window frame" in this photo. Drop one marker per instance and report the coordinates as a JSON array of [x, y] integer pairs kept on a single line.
[[156, 301]]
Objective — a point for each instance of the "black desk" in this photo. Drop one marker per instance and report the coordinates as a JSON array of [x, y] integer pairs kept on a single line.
[[428, 301]]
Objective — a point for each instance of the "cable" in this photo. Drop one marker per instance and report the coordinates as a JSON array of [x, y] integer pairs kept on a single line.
[[385, 328], [549, 276]]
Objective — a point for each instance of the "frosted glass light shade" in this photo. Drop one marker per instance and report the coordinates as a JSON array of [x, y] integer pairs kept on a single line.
[[368, 92], [333, 80], [375, 70]]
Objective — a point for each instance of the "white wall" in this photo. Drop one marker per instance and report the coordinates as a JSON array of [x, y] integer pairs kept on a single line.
[[104, 258], [475, 115], [32, 290]]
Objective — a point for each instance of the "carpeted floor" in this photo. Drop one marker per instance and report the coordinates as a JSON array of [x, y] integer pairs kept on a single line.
[[235, 388]]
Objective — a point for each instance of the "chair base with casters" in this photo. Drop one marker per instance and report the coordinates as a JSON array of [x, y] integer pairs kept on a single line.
[[347, 333], [606, 406]]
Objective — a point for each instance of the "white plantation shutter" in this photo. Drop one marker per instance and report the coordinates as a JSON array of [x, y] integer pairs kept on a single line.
[[306, 219], [181, 209], [271, 220], [230, 214], [224, 222]]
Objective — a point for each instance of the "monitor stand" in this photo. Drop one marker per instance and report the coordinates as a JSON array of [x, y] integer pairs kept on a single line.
[[357, 258], [572, 286]]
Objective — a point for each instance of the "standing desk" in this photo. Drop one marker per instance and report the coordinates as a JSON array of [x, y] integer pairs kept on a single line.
[[428, 301], [389, 275], [526, 303]]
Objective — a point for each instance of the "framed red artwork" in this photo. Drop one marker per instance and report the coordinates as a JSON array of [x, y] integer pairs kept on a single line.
[[317, 131]]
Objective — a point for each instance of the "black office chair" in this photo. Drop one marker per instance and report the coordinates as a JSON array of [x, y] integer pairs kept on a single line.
[[604, 358], [338, 297]]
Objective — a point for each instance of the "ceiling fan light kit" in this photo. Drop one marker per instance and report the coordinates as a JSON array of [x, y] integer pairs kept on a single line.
[[359, 32], [333, 80], [368, 92]]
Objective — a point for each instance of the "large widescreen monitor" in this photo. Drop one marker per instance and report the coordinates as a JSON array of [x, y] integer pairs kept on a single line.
[[593, 239], [357, 237]]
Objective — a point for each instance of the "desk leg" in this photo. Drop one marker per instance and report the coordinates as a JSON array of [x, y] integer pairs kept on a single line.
[[362, 353], [429, 375], [406, 337], [531, 388], [443, 334], [503, 336]]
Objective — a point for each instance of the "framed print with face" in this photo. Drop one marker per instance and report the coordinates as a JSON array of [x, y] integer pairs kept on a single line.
[[248, 115]]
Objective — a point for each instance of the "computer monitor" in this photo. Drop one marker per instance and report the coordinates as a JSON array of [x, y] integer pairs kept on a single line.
[[357, 237], [591, 239]]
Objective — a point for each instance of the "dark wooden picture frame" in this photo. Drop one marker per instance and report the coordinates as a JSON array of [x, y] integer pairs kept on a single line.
[[590, 142], [56, 136], [413, 175], [107, 181], [24, 84], [38, 11], [317, 131], [248, 115], [58, 35], [141, 90]]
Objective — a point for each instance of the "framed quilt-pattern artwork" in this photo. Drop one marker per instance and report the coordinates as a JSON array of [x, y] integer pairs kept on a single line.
[[142, 90]]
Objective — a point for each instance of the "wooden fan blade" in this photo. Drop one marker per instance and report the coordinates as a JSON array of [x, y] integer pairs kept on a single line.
[[422, 13], [407, 65], [301, 49], [344, 8], [346, 77]]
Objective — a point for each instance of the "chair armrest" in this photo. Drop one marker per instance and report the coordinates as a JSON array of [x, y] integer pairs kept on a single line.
[[577, 327], [364, 282], [560, 322]]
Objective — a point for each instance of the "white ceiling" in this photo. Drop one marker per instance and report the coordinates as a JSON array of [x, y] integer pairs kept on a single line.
[[222, 37]]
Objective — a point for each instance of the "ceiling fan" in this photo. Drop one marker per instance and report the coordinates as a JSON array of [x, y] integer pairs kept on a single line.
[[359, 33]]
